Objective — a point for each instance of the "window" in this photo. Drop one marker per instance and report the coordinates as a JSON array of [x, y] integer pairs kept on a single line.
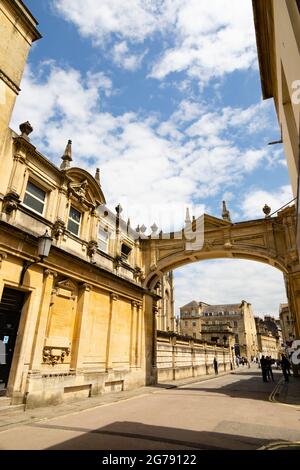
[[298, 4], [235, 324], [103, 237], [74, 221], [194, 335], [186, 323], [194, 323], [125, 251], [34, 198]]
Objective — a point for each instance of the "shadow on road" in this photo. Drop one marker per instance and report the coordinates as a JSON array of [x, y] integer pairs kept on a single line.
[[250, 386], [132, 435]]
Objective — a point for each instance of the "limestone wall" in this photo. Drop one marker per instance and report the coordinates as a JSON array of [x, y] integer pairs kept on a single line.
[[178, 357]]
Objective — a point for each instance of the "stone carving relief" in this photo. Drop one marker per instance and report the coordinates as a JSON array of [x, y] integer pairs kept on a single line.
[[58, 229], [11, 202], [55, 356]]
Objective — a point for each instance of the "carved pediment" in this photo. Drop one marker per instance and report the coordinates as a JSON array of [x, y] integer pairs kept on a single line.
[[65, 288], [84, 188]]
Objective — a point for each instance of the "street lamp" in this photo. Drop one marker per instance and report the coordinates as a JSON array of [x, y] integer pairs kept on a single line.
[[44, 245]]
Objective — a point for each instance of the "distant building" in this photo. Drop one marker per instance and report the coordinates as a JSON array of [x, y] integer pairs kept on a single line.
[[204, 321], [287, 323], [269, 336]]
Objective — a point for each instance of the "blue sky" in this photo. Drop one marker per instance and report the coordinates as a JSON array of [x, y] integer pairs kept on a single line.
[[164, 96]]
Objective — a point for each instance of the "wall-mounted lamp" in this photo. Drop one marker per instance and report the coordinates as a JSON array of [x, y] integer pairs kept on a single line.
[[44, 245]]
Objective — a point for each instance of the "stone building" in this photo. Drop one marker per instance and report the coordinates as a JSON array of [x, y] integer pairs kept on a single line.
[[165, 318], [196, 318], [268, 336], [287, 324], [75, 320], [277, 26], [190, 319]]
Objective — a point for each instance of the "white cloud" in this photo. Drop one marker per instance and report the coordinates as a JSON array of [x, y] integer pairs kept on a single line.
[[122, 57], [230, 281], [134, 19], [204, 38], [254, 201], [185, 158]]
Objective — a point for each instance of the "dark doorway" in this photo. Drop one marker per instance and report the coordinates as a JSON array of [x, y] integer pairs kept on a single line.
[[10, 312]]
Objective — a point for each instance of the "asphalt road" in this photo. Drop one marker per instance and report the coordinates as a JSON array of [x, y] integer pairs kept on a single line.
[[228, 412]]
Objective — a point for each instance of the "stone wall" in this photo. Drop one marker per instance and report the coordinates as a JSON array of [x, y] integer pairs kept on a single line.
[[179, 357]]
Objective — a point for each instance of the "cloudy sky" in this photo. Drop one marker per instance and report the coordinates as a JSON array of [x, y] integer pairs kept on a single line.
[[164, 96]]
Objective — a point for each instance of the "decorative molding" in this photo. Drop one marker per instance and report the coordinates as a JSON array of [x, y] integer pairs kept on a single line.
[[86, 287], [92, 248], [114, 297], [49, 272], [9, 82], [3, 256], [11, 202], [54, 355], [58, 229]]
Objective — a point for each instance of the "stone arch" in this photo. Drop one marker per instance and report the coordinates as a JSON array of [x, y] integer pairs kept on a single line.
[[271, 241]]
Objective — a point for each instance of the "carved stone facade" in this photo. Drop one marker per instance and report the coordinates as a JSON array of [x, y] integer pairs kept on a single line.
[[83, 323]]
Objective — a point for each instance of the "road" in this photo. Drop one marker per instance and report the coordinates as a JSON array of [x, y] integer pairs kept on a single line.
[[227, 412]]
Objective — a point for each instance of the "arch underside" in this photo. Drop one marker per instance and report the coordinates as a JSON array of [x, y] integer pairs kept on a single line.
[[183, 258]]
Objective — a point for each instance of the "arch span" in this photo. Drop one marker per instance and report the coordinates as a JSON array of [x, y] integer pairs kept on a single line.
[[271, 240]]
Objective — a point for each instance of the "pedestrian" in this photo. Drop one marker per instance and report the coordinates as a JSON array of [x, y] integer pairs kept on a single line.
[[285, 366], [263, 368], [216, 366], [269, 371]]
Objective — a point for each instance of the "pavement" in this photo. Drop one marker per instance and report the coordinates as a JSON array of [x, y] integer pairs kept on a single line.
[[231, 411]]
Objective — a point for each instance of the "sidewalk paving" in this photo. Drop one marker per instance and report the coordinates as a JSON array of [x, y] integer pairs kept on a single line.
[[289, 392], [11, 416]]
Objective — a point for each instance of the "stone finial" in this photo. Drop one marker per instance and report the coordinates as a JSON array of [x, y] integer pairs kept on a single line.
[[26, 129], [225, 213], [119, 209], [266, 210], [67, 156], [187, 217], [97, 176], [154, 228], [143, 228], [128, 226]]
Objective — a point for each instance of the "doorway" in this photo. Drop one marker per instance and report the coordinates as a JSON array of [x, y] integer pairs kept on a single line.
[[11, 305]]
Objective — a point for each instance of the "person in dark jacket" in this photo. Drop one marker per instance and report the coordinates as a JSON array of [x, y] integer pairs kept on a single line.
[[263, 365], [269, 372], [216, 366], [285, 366]]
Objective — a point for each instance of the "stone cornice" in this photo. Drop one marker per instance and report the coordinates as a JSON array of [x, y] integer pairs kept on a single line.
[[9, 82], [24, 16]]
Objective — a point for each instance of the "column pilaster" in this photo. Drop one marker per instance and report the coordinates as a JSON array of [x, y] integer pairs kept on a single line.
[[41, 324], [113, 300], [81, 331]]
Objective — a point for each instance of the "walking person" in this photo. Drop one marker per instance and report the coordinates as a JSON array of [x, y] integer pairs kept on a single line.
[[269, 371], [216, 366], [285, 366], [263, 366]]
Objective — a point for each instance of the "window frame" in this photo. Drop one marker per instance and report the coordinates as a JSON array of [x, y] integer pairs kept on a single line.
[[44, 202], [125, 256], [102, 240], [74, 221]]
